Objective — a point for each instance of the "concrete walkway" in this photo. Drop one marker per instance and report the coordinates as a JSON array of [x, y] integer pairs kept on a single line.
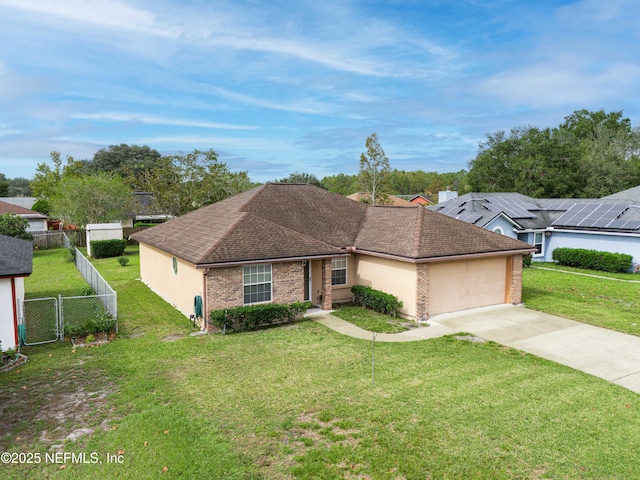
[[604, 353]]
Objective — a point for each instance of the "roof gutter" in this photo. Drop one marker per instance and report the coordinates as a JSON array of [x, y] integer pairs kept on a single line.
[[444, 258], [268, 260]]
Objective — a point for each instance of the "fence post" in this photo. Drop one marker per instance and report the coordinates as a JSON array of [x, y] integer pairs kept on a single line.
[[60, 318]]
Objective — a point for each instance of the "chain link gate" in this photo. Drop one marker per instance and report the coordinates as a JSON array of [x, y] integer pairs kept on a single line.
[[45, 319], [41, 321]]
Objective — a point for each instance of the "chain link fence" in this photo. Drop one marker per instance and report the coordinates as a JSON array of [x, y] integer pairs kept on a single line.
[[44, 319], [98, 284], [41, 321]]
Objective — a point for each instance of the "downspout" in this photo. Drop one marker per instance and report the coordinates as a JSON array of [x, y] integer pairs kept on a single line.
[[204, 300]]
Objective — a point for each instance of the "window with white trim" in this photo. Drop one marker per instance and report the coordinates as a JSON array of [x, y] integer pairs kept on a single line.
[[538, 242], [499, 230], [339, 271], [256, 280]]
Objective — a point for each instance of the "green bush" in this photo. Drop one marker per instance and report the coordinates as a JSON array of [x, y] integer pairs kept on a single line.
[[526, 260], [103, 324], [376, 300], [122, 260], [107, 248], [252, 317], [593, 259]]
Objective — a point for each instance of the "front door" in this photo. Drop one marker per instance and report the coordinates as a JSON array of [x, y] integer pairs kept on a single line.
[[307, 281]]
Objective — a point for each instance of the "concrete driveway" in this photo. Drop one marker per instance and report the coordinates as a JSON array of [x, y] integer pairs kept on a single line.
[[604, 353]]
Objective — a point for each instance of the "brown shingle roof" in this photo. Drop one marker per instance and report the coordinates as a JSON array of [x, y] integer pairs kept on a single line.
[[18, 210], [294, 220]]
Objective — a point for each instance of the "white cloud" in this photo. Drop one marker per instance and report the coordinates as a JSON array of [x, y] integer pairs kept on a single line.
[[153, 120]]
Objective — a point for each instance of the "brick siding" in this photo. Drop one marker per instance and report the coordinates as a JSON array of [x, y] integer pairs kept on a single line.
[[422, 291], [516, 280]]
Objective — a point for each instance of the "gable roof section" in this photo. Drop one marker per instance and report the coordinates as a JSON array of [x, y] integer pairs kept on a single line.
[[249, 226], [277, 221], [20, 211], [16, 257], [422, 234]]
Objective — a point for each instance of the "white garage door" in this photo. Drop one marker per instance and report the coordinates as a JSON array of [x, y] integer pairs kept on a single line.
[[467, 284]]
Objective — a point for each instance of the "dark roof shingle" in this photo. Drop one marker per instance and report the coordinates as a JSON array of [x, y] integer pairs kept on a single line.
[[294, 220], [16, 257]]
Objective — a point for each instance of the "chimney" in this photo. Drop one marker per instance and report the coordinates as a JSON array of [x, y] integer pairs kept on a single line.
[[448, 194]]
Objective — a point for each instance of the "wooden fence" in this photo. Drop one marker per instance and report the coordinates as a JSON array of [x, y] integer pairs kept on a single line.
[[55, 238]]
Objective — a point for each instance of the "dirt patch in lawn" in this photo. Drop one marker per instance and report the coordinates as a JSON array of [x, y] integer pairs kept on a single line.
[[52, 408]]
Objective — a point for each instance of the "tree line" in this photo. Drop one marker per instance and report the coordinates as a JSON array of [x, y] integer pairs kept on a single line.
[[590, 155]]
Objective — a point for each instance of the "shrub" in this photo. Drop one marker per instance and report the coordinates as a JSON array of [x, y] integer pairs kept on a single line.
[[103, 324], [107, 248], [593, 259], [376, 300], [526, 260], [252, 317], [122, 260]]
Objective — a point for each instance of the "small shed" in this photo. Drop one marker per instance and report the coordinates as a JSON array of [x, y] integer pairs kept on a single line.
[[103, 231]]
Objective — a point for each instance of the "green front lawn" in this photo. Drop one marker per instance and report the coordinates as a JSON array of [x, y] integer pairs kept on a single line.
[[297, 402], [607, 303], [370, 320]]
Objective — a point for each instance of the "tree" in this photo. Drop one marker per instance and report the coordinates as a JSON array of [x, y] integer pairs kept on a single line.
[[186, 182], [13, 225], [4, 186], [374, 170], [124, 160], [97, 198], [300, 177], [19, 187], [341, 183], [45, 182], [532, 161]]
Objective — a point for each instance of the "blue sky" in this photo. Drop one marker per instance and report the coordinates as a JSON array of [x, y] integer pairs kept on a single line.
[[294, 85]]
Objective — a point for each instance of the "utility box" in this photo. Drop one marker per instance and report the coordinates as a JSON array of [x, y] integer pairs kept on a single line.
[[102, 231]]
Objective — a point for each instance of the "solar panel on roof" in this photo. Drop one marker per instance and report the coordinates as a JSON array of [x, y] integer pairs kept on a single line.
[[512, 207], [470, 217], [625, 224], [592, 215]]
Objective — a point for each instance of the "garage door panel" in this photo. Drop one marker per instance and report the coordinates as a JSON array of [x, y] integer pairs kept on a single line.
[[466, 284]]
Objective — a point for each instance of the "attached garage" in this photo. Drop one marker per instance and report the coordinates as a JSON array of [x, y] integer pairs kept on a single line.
[[471, 283]]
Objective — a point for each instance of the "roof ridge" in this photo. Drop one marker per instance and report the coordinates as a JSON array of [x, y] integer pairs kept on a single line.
[[241, 216], [258, 191]]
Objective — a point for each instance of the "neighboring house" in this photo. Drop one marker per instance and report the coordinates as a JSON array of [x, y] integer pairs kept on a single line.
[[292, 242], [37, 220], [24, 202], [609, 224], [392, 200], [420, 199], [146, 211], [16, 262]]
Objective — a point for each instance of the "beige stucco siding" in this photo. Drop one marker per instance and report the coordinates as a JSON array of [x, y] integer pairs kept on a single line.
[[390, 276], [179, 289]]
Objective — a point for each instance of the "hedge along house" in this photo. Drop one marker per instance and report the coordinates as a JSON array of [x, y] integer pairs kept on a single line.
[[284, 243]]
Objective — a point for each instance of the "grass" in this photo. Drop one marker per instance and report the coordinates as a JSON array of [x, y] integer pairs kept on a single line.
[[606, 303], [297, 402], [370, 320]]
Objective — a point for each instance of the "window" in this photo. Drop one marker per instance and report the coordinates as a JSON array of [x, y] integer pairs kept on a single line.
[[175, 265], [538, 242], [499, 230], [257, 283], [339, 271]]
